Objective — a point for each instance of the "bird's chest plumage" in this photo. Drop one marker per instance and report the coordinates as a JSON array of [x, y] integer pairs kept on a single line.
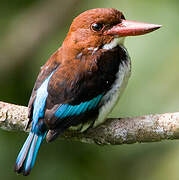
[[109, 78], [120, 73], [112, 96], [100, 73]]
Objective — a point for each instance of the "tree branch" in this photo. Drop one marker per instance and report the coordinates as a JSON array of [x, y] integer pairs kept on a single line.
[[148, 128]]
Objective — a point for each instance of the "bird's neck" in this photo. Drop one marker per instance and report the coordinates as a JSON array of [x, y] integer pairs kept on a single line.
[[69, 49]]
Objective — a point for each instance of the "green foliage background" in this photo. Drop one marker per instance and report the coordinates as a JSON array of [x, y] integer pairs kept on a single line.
[[153, 88]]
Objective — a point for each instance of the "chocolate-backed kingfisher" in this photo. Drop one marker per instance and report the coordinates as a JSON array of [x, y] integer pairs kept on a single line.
[[82, 81]]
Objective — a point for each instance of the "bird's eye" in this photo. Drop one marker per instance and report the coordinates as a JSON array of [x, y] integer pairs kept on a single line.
[[97, 27]]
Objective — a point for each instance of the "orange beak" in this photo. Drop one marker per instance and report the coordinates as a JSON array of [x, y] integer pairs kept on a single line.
[[132, 28]]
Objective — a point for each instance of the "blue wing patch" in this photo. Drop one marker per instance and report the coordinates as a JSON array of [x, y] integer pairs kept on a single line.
[[66, 110], [39, 103]]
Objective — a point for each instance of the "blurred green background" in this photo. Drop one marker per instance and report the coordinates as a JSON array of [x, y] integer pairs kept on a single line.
[[31, 30]]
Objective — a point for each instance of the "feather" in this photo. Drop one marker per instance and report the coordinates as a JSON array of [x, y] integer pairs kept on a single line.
[[26, 158], [32, 153], [40, 101], [66, 110], [23, 153]]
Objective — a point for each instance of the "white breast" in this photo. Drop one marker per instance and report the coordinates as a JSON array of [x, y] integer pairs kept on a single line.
[[112, 96]]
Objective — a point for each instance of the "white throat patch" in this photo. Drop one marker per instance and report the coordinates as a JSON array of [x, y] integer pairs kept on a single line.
[[115, 42]]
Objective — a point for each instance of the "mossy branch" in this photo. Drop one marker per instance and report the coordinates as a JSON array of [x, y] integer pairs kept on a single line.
[[148, 128]]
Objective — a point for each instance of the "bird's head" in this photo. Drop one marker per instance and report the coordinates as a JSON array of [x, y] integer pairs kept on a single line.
[[102, 28]]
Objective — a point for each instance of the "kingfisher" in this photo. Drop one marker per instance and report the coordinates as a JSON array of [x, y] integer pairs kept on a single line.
[[82, 81]]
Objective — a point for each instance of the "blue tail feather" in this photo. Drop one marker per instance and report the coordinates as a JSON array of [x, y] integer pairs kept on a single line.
[[38, 143], [26, 158], [23, 153]]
